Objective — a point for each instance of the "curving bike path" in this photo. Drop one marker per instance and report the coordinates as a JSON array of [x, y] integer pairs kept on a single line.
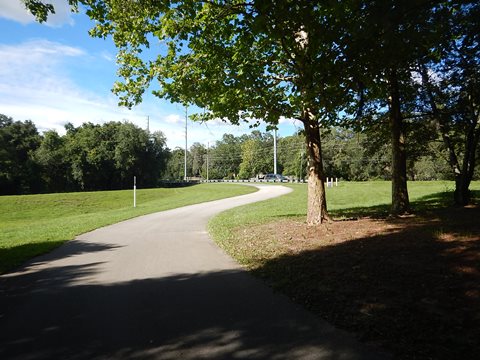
[[157, 287]]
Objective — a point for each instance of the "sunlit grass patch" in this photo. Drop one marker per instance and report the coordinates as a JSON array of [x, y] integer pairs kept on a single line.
[[34, 224]]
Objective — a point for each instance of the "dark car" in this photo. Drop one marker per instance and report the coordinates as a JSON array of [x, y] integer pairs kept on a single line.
[[275, 177]]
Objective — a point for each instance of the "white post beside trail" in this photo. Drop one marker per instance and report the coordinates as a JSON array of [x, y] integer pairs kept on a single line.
[[336, 181], [134, 191]]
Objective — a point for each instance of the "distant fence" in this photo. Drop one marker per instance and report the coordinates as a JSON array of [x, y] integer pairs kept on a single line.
[[330, 182], [256, 181], [175, 184]]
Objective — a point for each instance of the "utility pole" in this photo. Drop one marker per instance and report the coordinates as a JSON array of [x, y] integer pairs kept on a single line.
[[186, 144], [148, 125], [208, 147], [275, 151]]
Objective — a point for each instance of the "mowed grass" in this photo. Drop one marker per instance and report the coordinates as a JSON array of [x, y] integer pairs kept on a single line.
[[34, 224], [409, 285], [348, 199]]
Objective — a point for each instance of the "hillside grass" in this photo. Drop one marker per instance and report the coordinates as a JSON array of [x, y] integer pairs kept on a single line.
[[347, 200], [34, 224]]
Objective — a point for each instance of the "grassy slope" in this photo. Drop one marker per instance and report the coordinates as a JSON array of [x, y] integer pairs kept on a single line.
[[348, 199], [34, 224]]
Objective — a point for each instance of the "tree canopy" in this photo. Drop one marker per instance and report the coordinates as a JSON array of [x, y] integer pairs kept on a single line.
[[323, 63], [243, 61], [88, 157]]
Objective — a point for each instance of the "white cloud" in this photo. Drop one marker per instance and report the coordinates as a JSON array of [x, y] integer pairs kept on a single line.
[[34, 70], [41, 54], [35, 84], [15, 10], [284, 120], [174, 119], [107, 56]]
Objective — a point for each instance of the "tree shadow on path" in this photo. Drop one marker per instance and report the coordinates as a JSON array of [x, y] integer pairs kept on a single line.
[[16, 255], [215, 315]]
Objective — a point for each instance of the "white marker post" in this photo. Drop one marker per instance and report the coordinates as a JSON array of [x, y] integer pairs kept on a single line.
[[134, 191]]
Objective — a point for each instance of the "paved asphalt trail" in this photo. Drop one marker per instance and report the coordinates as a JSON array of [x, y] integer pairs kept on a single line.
[[156, 287]]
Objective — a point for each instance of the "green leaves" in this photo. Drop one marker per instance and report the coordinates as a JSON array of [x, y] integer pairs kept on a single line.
[[233, 57], [42, 10], [39, 9]]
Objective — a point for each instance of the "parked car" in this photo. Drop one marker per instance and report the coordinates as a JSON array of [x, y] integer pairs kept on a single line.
[[275, 177]]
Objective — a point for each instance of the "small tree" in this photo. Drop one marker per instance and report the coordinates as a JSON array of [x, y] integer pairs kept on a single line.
[[198, 154], [257, 155], [292, 155]]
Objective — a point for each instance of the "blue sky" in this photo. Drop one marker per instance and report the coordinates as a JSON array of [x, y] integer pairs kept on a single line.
[[56, 73]]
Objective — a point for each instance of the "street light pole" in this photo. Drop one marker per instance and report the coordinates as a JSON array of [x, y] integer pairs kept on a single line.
[[186, 144]]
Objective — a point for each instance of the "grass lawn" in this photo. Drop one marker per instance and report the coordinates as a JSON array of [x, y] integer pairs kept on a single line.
[[409, 285], [348, 199], [34, 224]]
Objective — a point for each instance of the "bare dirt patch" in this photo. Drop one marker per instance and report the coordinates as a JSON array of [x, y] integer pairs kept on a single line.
[[410, 285]]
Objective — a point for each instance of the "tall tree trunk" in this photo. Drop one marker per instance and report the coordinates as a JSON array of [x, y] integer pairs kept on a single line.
[[463, 176], [400, 201], [462, 183], [461, 195], [317, 202]]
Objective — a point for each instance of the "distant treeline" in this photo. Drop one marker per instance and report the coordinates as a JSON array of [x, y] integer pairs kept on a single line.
[[347, 154], [107, 156], [89, 157]]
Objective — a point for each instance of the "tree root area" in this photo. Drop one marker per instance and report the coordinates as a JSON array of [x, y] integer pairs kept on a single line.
[[409, 285]]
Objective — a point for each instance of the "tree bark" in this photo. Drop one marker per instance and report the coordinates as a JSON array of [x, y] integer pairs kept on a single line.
[[317, 202], [400, 201], [463, 176], [461, 195], [462, 180]]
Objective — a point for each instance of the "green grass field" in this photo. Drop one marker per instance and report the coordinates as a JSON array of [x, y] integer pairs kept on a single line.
[[34, 224], [349, 199], [407, 285]]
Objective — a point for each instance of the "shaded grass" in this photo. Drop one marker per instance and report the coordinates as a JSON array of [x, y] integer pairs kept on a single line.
[[409, 285], [349, 199], [34, 224]]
